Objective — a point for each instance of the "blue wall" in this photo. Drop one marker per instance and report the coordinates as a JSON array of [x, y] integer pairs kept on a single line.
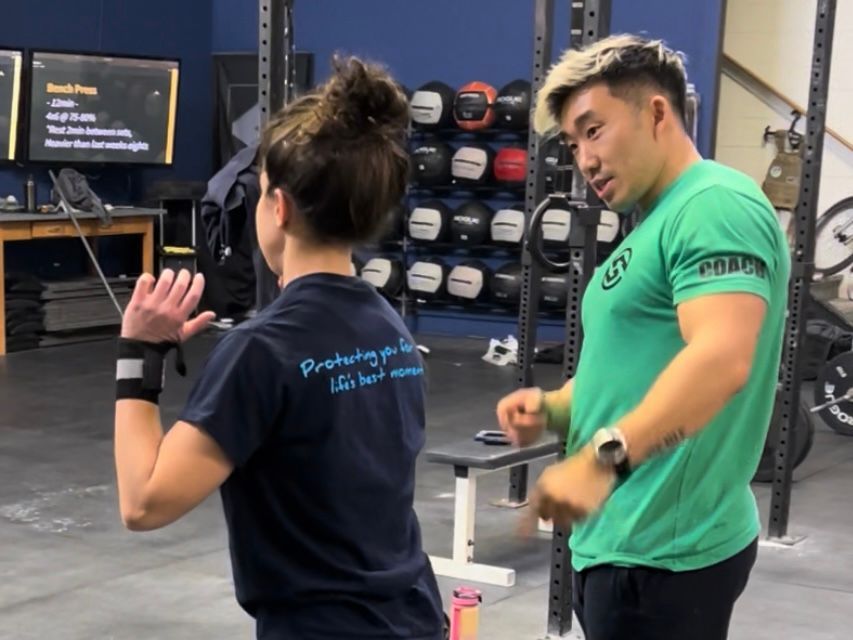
[[168, 28], [448, 39]]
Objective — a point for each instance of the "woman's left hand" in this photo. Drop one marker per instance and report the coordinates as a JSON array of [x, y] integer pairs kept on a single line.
[[159, 310]]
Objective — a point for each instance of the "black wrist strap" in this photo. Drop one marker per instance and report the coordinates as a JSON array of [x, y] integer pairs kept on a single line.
[[141, 368], [623, 469]]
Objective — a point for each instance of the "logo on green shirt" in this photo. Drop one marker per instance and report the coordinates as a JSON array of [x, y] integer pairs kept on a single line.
[[617, 268]]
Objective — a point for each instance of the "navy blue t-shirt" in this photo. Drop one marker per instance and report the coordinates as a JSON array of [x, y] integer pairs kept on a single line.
[[319, 403]]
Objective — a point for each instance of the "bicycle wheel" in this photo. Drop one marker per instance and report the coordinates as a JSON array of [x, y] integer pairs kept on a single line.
[[834, 238]]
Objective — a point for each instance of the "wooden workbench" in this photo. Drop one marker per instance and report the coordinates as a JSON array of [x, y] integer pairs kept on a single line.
[[19, 227]]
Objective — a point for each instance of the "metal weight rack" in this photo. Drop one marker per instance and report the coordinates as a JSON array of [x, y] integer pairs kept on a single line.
[[276, 56]]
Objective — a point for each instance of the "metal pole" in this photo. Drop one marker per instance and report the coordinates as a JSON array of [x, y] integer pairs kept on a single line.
[[590, 22], [276, 56], [534, 194], [276, 76], [802, 268], [289, 54]]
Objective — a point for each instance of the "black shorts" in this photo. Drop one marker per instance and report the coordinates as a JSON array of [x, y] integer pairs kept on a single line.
[[613, 603]]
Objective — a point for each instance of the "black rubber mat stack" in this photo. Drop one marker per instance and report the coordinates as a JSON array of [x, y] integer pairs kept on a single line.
[[46, 313], [24, 312]]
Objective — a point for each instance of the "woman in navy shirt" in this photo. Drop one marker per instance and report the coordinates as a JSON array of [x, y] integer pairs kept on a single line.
[[310, 416]]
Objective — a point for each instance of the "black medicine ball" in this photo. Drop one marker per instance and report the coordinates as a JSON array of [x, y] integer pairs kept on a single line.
[[506, 284], [472, 164], [469, 281], [512, 105], [554, 290], [431, 164], [507, 226], [386, 274], [427, 278], [430, 221], [395, 227], [431, 106], [471, 224]]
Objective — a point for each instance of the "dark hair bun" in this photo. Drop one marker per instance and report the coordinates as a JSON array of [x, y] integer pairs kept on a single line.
[[340, 155], [361, 97]]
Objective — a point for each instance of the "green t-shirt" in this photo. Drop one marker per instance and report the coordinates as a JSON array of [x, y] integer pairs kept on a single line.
[[711, 231]]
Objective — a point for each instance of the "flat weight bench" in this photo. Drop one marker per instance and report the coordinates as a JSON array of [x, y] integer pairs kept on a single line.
[[471, 459]]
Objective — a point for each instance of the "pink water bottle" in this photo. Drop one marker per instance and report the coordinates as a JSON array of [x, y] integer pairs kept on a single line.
[[465, 618]]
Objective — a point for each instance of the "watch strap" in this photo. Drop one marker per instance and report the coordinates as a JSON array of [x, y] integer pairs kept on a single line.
[[623, 469]]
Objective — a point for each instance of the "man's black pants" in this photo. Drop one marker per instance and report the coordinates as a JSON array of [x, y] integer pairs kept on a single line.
[[616, 603]]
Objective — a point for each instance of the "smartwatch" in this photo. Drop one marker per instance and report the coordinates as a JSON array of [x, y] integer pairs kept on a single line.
[[611, 451]]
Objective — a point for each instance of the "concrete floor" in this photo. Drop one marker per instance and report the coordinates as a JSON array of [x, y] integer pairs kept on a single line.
[[69, 570]]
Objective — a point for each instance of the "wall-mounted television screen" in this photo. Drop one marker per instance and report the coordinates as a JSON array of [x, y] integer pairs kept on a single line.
[[10, 99], [89, 108]]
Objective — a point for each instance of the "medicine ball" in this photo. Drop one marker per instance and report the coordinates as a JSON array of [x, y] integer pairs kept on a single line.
[[507, 226], [609, 227], [469, 281], [506, 284], [471, 223], [386, 274], [427, 278], [395, 227], [556, 226], [554, 290], [431, 164], [431, 106], [430, 221], [473, 164], [511, 166], [474, 106], [512, 105]]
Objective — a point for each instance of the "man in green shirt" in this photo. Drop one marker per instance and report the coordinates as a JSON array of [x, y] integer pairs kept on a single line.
[[670, 405]]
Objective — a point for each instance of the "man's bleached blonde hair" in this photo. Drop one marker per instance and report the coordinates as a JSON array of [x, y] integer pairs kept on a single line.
[[623, 62]]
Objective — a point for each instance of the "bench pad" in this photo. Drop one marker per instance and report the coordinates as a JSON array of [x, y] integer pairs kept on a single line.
[[476, 455]]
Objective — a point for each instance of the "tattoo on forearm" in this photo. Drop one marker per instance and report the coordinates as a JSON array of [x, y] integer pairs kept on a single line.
[[669, 441]]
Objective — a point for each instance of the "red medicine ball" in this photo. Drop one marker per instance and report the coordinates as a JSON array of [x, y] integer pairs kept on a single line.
[[474, 106], [511, 165]]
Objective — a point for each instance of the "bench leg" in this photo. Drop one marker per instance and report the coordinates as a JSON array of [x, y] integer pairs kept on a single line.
[[462, 565], [464, 516]]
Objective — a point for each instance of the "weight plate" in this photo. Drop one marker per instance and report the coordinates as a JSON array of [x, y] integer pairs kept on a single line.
[[803, 441], [834, 381]]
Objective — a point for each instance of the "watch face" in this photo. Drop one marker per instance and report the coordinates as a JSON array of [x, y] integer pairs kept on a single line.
[[611, 451], [611, 447]]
